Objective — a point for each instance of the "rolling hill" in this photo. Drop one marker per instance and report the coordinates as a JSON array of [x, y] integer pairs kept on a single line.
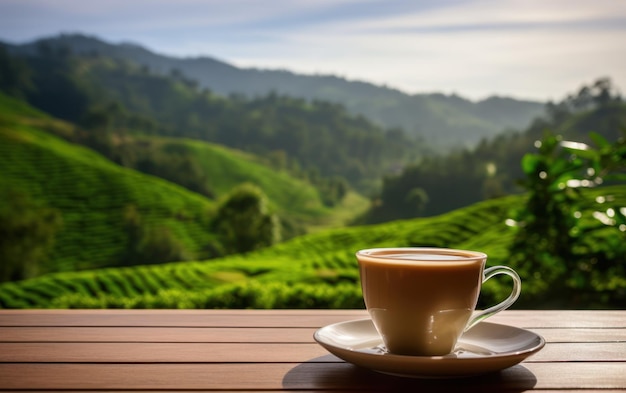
[[102, 203], [440, 120], [96, 198], [224, 168], [111, 98], [92, 193], [313, 271]]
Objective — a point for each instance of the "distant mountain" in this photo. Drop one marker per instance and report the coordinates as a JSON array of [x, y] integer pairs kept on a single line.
[[316, 140], [451, 181], [440, 120]]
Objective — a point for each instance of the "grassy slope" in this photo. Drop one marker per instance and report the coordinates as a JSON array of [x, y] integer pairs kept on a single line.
[[324, 257], [225, 168], [322, 260], [91, 192], [290, 197], [316, 270]]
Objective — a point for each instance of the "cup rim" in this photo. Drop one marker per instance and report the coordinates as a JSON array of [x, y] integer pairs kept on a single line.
[[386, 253]]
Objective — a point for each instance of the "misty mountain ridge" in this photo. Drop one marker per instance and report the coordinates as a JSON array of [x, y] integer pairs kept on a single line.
[[442, 121]]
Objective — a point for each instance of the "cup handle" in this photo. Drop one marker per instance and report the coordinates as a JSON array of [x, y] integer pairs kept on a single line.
[[517, 287]]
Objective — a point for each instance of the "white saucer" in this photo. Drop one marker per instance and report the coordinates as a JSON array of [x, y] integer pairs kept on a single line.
[[485, 348]]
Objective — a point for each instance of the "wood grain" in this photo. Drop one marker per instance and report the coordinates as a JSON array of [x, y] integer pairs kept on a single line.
[[155, 334], [247, 352], [273, 350], [306, 376], [281, 318], [175, 318], [238, 334]]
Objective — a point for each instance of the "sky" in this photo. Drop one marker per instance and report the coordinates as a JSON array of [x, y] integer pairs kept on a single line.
[[527, 49]]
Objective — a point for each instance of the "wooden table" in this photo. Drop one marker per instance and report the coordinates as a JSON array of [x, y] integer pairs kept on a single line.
[[243, 350]]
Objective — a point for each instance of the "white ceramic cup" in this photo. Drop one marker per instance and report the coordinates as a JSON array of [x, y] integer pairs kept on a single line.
[[421, 300]]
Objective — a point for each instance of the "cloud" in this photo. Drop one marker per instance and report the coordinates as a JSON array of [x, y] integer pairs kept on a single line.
[[521, 48], [505, 14], [526, 48]]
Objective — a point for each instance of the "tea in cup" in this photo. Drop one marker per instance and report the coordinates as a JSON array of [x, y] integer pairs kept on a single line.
[[421, 300]]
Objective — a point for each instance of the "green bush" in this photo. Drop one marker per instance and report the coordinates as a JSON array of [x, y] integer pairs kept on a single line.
[[255, 295], [570, 241]]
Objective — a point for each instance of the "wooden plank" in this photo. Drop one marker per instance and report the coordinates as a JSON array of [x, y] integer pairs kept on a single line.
[[176, 318], [535, 319], [307, 376], [248, 352], [157, 334], [581, 352], [280, 318], [158, 352], [252, 335], [585, 335]]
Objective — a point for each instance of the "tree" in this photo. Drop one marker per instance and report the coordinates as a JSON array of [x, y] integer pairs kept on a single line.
[[417, 198], [243, 222], [27, 233], [15, 76], [573, 244], [150, 245]]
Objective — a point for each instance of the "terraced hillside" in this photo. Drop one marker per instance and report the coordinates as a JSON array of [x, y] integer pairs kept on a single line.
[[313, 271], [93, 195], [102, 204], [317, 270], [224, 168]]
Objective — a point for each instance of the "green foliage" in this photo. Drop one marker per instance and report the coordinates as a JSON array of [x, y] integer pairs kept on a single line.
[[433, 186], [111, 98], [150, 244], [250, 295], [222, 169], [174, 162], [418, 198], [492, 168], [93, 195], [436, 118], [600, 94], [90, 193], [15, 76], [114, 215], [308, 271], [573, 244], [323, 260], [243, 222], [27, 234], [213, 171]]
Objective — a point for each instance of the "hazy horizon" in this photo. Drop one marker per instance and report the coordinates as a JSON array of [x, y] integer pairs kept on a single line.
[[527, 50]]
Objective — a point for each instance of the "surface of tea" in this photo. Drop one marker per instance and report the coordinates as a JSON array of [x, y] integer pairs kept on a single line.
[[426, 257], [452, 255]]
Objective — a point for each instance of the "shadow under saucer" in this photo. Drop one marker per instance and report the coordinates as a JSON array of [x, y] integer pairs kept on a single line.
[[329, 372]]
